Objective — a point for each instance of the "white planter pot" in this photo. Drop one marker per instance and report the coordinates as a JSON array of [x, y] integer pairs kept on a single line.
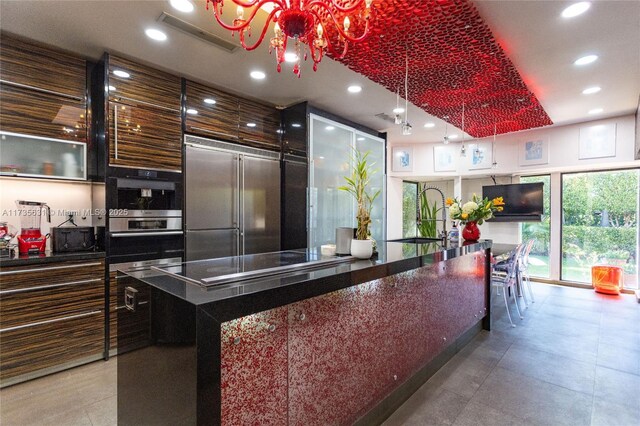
[[362, 249]]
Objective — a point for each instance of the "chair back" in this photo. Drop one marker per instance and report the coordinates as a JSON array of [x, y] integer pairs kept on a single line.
[[524, 255], [513, 261]]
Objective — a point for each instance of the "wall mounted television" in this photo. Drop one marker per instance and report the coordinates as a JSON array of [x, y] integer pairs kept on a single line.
[[523, 201]]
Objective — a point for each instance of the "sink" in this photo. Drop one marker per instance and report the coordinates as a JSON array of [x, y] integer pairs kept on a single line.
[[416, 240]]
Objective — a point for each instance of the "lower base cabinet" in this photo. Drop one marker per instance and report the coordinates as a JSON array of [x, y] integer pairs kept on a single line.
[[52, 317]]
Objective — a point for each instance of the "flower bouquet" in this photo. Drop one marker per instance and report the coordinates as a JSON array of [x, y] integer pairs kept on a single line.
[[473, 213]]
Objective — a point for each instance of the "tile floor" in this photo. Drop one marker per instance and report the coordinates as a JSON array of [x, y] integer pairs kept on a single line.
[[573, 360]]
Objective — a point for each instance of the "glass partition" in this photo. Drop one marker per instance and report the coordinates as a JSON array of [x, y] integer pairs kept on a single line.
[[330, 155], [539, 232], [33, 156], [599, 224]]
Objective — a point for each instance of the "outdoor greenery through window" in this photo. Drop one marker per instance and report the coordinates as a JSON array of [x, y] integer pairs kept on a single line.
[[599, 223], [409, 208], [540, 232]]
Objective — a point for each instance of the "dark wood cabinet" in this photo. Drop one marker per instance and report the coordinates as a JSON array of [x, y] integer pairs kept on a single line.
[[28, 63], [211, 113], [42, 114], [215, 114], [144, 136], [259, 125], [51, 317], [143, 84]]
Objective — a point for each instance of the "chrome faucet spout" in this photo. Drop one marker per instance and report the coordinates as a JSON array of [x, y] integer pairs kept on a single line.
[[444, 210]]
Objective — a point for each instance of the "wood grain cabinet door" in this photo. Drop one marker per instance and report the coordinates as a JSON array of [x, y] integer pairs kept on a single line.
[[129, 81], [145, 137], [27, 63], [42, 114], [259, 125], [211, 113]]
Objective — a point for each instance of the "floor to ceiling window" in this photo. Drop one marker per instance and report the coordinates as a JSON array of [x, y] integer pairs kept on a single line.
[[540, 232], [599, 223], [409, 208]]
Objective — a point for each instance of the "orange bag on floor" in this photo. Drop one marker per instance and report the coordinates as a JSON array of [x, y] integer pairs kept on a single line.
[[607, 279]]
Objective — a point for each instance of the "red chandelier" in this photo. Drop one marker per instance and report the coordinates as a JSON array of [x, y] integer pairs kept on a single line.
[[319, 24]]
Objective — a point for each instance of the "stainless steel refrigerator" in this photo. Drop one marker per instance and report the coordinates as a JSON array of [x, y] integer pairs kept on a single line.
[[232, 199]]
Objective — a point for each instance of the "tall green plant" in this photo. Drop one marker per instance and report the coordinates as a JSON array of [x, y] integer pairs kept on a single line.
[[428, 213], [358, 186]]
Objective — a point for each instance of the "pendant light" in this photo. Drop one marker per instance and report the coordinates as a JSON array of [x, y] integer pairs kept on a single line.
[[398, 109], [494, 162], [406, 127], [463, 149]]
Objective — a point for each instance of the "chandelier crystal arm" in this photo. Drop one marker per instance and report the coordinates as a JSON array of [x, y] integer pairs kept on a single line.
[[337, 24], [328, 45], [246, 22], [262, 34], [346, 9]]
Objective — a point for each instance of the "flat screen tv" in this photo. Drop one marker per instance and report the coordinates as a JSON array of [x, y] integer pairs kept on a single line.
[[523, 201]]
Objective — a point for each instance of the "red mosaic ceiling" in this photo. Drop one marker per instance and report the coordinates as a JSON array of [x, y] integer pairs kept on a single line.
[[453, 58]]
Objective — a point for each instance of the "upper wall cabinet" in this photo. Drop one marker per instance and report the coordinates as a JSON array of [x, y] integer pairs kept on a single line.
[[145, 125], [37, 66], [134, 82], [216, 114], [211, 113], [259, 125]]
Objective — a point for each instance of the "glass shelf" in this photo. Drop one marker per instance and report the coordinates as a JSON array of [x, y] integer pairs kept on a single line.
[[34, 156]]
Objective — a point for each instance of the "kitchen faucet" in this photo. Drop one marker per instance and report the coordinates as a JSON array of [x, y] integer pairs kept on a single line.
[[443, 235]]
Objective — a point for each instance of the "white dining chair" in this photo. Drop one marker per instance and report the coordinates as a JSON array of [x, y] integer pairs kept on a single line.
[[507, 279]]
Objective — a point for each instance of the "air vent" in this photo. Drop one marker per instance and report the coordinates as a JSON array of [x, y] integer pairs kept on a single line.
[[386, 117], [196, 32]]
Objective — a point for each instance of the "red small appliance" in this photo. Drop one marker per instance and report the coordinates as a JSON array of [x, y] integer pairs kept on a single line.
[[30, 239]]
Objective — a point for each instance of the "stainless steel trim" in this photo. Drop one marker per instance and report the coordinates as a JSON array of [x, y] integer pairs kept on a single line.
[[115, 129], [52, 268], [245, 276], [241, 250], [144, 234], [121, 224], [139, 102], [146, 168], [142, 264], [151, 213], [45, 287], [213, 144], [34, 324], [38, 89]]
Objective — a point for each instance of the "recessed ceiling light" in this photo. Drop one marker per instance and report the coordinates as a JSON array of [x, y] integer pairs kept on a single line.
[[595, 111], [182, 5], [258, 75], [576, 9], [354, 89], [430, 125], [398, 110], [360, 139], [296, 125], [154, 34], [585, 60], [251, 124], [122, 74], [192, 111], [290, 57], [591, 90], [454, 136], [329, 128]]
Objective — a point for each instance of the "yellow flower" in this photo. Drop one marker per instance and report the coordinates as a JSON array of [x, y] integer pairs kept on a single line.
[[500, 209], [498, 201], [449, 201], [464, 216]]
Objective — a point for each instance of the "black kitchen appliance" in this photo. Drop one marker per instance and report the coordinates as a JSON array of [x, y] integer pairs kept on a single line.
[[68, 239]]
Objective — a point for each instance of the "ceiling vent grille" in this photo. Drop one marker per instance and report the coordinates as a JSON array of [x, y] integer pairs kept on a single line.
[[196, 32], [386, 117]]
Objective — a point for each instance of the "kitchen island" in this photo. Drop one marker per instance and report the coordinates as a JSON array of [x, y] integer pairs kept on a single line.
[[313, 340]]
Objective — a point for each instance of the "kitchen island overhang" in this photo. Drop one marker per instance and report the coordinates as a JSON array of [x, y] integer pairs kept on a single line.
[[327, 345]]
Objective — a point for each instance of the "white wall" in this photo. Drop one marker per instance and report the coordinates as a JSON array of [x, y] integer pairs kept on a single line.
[[60, 196]]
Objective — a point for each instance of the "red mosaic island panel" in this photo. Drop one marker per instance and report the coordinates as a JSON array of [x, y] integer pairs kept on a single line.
[[331, 358]]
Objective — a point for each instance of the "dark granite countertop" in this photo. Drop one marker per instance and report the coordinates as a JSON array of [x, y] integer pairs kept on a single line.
[[48, 257], [253, 295]]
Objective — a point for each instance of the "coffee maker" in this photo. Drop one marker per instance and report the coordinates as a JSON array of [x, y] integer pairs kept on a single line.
[[30, 239]]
